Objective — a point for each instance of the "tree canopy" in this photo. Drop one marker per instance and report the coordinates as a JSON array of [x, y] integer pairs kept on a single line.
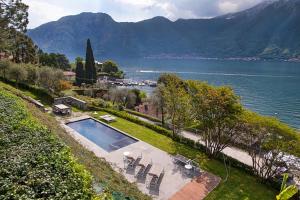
[[13, 26], [79, 71], [90, 69], [55, 60]]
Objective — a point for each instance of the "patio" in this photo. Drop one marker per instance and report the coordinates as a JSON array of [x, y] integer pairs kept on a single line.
[[174, 177]]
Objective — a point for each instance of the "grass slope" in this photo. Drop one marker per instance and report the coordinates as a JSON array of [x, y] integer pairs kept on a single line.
[[34, 163], [239, 184]]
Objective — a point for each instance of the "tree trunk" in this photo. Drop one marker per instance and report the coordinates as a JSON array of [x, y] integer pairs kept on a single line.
[[162, 116]]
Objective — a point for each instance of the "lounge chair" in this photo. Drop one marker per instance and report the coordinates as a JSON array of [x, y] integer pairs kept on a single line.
[[156, 181], [108, 118], [180, 159], [142, 173], [133, 163]]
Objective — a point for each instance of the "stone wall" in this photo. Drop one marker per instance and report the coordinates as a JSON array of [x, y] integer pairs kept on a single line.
[[71, 101]]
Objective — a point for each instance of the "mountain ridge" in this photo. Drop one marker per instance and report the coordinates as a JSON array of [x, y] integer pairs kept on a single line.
[[268, 30]]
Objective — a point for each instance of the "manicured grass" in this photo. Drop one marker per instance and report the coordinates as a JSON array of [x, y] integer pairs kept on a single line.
[[239, 184]]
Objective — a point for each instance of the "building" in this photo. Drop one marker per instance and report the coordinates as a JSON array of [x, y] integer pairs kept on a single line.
[[70, 76]]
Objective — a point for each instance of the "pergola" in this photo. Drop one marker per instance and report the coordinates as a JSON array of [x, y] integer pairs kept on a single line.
[[61, 109]]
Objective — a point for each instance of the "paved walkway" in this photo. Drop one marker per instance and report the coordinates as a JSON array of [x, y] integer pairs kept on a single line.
[[233, 152]]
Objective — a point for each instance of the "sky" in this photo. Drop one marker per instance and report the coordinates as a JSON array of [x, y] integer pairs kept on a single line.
[[42, 11]]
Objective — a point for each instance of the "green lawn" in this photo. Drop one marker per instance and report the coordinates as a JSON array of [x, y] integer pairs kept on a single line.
[[239, 184]]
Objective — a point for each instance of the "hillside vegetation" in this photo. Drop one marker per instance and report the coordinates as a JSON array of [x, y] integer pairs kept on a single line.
[[268, 30], [34, 164]]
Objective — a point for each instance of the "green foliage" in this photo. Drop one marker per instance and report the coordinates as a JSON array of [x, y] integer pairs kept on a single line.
[[143, 115], [217, 110], [111, 69], [267, 141], [56, 60], [4, 66], [34, 164], [17, 73], [90, 69], [177, 101], [79, 71], [32, 74], [286, 192], [13, 25]]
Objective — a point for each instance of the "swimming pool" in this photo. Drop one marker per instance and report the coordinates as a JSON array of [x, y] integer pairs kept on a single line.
[[104, 136]]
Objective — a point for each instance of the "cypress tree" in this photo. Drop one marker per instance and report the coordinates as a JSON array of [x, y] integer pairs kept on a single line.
[[79, 71], [90, 69]]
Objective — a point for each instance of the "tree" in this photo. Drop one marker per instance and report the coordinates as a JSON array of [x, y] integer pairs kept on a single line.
[[177, 102], [158, 101], [79, 71], [4, 66], [45, 78], [32, 74], [123, 97], [110, 67], [24, 50], [90, 69], [50, 79], [139, 96], [18, 73], [13, 26], [268, 141], [216, 110], [55, 60]]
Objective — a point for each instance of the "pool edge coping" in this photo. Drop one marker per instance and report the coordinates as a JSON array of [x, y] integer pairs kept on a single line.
[[76, 119]]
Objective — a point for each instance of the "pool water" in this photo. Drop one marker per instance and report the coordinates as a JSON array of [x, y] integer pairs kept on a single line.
[[104, 136]]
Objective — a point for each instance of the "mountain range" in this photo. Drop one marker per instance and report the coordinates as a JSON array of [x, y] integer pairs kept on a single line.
[[269, 30]]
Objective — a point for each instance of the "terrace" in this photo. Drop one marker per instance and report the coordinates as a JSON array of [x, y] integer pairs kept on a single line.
[[176, 182]]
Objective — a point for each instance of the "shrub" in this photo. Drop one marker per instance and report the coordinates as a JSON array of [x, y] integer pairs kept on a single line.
[[143, 115], [64, 85], [34, 163]]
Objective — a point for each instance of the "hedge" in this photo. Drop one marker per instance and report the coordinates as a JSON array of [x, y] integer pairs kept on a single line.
[[40, 92], [143, 115]]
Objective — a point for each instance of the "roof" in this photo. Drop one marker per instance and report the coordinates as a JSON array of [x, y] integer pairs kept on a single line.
[[69, 73], [61, 106]]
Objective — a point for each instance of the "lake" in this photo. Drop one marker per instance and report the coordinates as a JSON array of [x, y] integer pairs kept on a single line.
[[267, 87]]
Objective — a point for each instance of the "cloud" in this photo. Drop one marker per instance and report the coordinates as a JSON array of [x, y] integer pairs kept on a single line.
[[133, 10]]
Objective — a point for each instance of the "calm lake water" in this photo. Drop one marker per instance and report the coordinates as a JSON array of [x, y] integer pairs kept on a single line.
[[269, 88]]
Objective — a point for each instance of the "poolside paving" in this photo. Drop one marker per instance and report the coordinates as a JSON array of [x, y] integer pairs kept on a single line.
[[174, 180]]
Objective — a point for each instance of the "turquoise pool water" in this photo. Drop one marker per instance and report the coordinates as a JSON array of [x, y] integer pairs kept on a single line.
[[104, 136]]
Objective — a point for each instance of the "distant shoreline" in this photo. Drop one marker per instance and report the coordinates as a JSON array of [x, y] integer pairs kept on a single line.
[[248, 59]]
